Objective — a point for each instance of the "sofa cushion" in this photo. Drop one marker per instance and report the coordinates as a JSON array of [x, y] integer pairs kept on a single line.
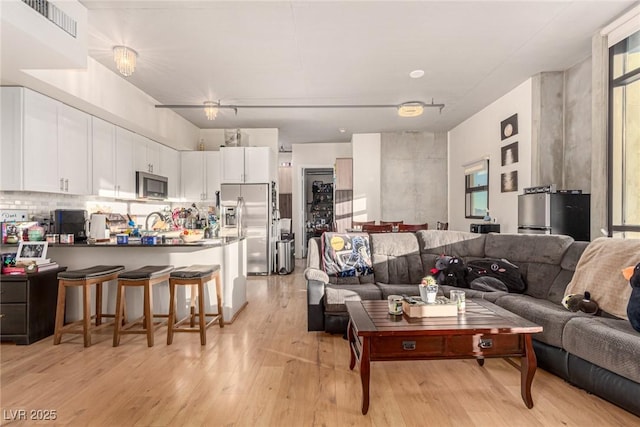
[[599, 271], [607, 342], [396, 258], [454, 243], [336, 295], [538, 256], [473, 293], [529, 248], [398, 289], [552, 317]]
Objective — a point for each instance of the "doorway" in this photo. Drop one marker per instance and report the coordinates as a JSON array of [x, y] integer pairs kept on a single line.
[[317, 200]]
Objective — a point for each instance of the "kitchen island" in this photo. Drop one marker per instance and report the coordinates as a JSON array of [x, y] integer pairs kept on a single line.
[[229, 252]]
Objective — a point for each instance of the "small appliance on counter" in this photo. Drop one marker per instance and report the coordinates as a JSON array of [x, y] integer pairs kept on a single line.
[[70, 221], [98, 229], [484, 228]]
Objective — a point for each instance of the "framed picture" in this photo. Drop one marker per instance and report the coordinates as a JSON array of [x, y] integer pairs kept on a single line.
[[509, 127], [509, 182], [32, 251], [510, 154]]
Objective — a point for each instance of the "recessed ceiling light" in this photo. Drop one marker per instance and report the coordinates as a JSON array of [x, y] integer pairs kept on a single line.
[[416, 74], [342, 130]]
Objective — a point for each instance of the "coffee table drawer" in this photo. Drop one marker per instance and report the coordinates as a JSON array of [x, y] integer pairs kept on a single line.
[[486, 345], [407, 347]]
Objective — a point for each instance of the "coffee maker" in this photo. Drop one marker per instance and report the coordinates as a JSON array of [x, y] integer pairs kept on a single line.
[[70, 221]]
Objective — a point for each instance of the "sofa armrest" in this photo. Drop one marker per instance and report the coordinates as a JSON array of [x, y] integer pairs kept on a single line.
[[316, 281]]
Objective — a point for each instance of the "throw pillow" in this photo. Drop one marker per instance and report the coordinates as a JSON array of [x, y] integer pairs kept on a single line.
[[346, 254], [598, 271], [501, 269]]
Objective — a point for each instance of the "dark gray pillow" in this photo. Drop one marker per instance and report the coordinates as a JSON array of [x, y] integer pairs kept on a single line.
[[488, 284]]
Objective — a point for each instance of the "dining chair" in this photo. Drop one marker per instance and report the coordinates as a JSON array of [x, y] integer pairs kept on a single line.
[[412, 227], [355, 224], [373, 228], [393, 223]]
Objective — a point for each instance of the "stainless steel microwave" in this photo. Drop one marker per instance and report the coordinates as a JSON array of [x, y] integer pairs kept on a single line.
[[149, 186]]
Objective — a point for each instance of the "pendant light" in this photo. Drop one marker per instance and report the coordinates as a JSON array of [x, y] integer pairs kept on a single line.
[[125, 59]]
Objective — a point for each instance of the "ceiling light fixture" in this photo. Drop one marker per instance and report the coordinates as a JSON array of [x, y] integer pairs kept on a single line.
[[411, 109], [416, 74], [125, 59], [211, 110]]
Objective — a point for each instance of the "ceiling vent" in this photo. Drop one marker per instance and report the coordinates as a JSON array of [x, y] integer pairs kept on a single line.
[[54, 14]]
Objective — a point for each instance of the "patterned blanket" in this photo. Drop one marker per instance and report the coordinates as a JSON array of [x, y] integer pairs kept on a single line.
[[345, 255]]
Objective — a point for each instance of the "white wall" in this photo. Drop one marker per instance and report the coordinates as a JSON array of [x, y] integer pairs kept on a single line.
[[102, 93], [310, 155], [366, 176], [479, 136]]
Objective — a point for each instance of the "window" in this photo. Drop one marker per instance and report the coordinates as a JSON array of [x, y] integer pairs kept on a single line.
[[476, 189], [624, 138]]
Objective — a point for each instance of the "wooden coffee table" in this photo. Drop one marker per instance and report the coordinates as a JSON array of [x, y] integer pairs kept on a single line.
[[485, 330]]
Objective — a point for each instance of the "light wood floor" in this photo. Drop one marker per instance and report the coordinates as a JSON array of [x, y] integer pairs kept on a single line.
[[266, 370]]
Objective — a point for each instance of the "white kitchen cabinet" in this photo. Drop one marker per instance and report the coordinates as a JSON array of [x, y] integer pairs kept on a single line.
[[257, 165], [248, 165], [200, 173], [232, 165], [146, 155], [40, 144], [11, 138], [125, 172], [170, 167], [56, 146], [212, 174], [104, 158], [74, 150]]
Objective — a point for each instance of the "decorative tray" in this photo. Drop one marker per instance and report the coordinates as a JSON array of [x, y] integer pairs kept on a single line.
[[443, 307]]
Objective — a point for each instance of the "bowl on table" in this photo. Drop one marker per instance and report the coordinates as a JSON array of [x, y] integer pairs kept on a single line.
[[191, 236]]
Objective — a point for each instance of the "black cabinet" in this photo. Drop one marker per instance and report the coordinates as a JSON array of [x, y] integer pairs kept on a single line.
[[28, 306]]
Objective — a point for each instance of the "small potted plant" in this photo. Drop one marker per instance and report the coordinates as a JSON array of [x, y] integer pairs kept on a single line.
[[428, 289]]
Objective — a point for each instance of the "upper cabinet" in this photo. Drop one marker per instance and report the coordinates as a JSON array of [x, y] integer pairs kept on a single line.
[[125, 170], [200, 175], [56, 151], [11, 138], [51, 147], [74, 150], [103, 135], [169, 166], [248, 165], [146, 155], [113, 173]]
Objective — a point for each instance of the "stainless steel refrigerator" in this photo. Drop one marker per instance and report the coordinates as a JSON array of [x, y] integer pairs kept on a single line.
[[555, 213], [254, 221]]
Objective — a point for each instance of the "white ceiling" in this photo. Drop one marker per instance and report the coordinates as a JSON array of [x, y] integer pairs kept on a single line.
[[342, 52]]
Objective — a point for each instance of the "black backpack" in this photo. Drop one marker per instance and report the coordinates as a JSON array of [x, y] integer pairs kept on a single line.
[[500, 269]]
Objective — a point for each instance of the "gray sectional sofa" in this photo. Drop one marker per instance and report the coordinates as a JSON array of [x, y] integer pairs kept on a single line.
[[599, 354]]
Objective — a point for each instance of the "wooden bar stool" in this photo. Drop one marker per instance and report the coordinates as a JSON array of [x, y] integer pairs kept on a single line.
[[195, 276], [86, 277], [146, 277]]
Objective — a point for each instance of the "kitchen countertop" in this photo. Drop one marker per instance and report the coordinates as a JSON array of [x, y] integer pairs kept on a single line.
[[204, 243]]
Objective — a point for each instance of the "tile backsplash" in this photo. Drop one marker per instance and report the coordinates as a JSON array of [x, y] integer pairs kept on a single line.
[[39, 205]]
